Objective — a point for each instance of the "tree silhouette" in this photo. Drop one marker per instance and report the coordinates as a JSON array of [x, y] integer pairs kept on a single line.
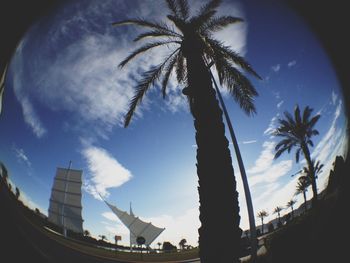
[[102, 237], [277, 211], [182, 243], [262, 214], [290, 205], [193, 46], [18, 193], [302, 185], [297, 132], [87, 233]]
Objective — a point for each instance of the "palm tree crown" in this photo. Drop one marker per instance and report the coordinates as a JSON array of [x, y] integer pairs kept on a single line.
[[296, 133], [191, 33]]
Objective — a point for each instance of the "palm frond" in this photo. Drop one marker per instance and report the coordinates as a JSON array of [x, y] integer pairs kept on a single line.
[[198, 21], [306, 114], [297, 116], [157, 33], [143, 49], [184, 9], [240, 87], [313, 121], [218, 23], [279, 152], [229, 54], [169, 68], [148, 79], [211, 5], [144, 23], [172, 5]]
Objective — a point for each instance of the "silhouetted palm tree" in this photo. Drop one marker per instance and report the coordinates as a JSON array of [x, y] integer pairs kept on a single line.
[[290, 205], [262, 214], [18, 193], [194, 45], [182, 243], [278, 210], [302, 185], [87, 233], [159, 244], [297, 132], [102, 237]]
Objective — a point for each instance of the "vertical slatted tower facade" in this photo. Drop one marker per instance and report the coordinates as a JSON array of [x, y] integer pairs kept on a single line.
[[65, 203]]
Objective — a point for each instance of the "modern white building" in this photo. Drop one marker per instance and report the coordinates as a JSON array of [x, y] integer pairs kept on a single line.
[[65, 202]]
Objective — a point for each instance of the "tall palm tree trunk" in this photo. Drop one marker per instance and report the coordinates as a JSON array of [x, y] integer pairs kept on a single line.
[[219, 234], [304, 195], [312, 173], [252, 227]]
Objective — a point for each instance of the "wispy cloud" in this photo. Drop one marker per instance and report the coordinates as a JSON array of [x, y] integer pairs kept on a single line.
[[334, 97], [280, 104], [105, 171], [249, 142], [272, 125], [291, 63], [21, 89], [84, 79], [21, 156], [265, 158], [276, 68]]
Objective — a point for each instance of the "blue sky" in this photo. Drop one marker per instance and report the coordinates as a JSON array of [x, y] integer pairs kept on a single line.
[[66, 98]]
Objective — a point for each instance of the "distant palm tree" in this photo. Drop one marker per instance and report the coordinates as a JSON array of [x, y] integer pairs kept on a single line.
[[87, 233], [278, 210], [102, 237], [182, 243], [317, 169], [297, 132], [262, 214], [302, 185], [194, 45], [159, 244], [18, 193], [290, 205]]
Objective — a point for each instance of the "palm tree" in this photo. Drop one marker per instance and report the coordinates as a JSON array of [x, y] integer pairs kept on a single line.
[[291, 204], [194, 45], [87, 233], [262, 214], [182, 243], [297, 132], [17, 193], [159, 244], [302, 185], [278, 210], [102, 237]]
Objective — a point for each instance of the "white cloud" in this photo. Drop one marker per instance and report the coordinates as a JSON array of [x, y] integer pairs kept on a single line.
[[106, 172], [292, 63], [326, 144], [334, 97], [84, 79], [272, 125], [249, 142], [30, 116], [276, 68], [280, 104], [21, 156], [265, 159], [272, 173], [110, 216]]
